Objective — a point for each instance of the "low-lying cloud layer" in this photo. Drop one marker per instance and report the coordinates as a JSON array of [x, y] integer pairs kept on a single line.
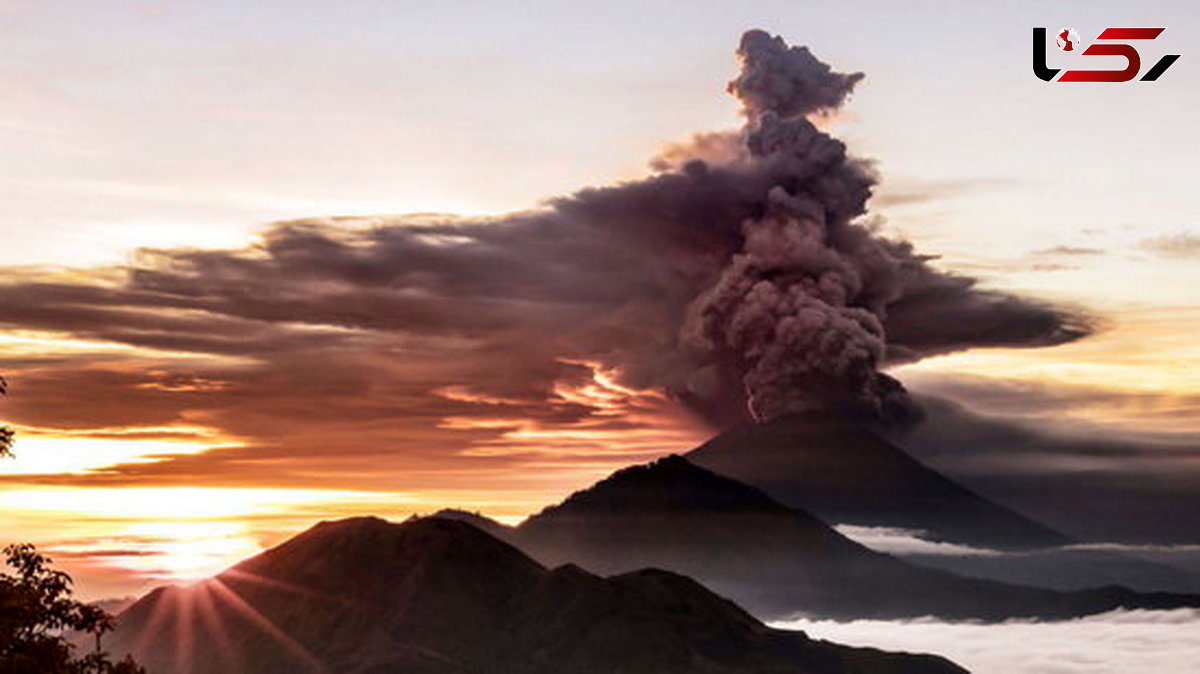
[[1111, 643], [1146, 567], [740, 279]]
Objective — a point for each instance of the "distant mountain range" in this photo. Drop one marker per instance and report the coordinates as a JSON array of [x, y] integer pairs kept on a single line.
[[774, 560], [845, 474], [439, 596]]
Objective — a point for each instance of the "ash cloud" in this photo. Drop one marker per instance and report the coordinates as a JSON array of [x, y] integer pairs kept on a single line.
[[788, 81], [805, 310], [739, 278]]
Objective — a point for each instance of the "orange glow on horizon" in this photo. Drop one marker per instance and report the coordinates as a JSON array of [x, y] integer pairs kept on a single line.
[[45, 452]]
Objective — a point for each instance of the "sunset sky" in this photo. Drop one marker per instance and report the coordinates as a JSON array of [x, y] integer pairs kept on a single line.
[[162, 439]]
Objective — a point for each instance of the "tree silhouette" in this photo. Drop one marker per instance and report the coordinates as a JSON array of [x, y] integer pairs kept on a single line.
[[6, 433], [37, 611]]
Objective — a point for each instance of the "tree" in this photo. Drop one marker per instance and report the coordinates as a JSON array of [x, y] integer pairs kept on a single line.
[[6, 433], [37, 611]]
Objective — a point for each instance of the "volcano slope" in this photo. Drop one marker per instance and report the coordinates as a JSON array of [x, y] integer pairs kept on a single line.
[[845, 474]]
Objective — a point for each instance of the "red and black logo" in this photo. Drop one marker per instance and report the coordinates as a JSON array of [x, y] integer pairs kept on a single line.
[[1067, 40]]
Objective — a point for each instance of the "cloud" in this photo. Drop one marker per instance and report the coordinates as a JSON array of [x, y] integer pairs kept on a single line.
[[901, 191], [1111, 643], [1184, 245], [1145, 567], [942, 314], [897, 541], [917, 543], [1059, 402], [1097, 482], [788, 81], [375, 349], [1069, 251]]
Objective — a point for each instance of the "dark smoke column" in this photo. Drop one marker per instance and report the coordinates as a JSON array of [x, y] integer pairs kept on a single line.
[[799, 310]]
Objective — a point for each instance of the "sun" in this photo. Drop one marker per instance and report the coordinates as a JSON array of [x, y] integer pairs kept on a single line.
[[188, 551]]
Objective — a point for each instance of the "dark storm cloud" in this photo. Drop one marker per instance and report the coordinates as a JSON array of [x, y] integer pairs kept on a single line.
[[737, 278]]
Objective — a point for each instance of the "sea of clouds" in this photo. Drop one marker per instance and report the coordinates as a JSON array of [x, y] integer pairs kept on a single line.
[[1145, 567], [1118, 642]]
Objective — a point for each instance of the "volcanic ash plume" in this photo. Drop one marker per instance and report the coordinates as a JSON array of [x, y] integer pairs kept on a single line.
[[739, 277], [800, 308], [787, 81]]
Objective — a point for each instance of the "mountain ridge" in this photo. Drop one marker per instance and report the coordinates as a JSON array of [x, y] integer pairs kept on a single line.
[[440, 596], [775, 560]]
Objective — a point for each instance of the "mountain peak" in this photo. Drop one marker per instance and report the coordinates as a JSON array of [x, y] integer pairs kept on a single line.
[[438, 596], [669, 484], [476, 519], [415, 531], [846, 474], [406, 560]]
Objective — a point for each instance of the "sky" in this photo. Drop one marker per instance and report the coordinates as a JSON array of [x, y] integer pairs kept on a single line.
[[160, 141]]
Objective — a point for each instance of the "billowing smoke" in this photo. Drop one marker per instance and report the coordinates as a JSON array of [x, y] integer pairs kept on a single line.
[[740, 278], [801, 305], [789, 82], [801, 308]]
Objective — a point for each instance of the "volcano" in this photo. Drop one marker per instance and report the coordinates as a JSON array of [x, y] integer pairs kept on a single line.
[[775, 560], [845, 474], [440, 596]]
